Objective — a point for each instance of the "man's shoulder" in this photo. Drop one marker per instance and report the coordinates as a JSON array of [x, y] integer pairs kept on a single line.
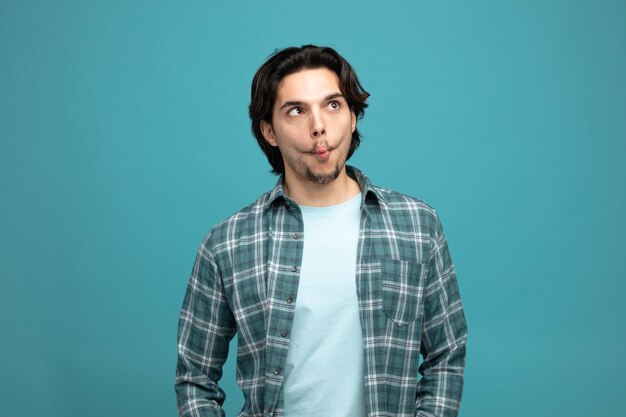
[[243, 222], [406, 212], [398, 202], [394, 202]]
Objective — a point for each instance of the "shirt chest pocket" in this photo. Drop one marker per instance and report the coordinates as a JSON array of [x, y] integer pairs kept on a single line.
[[402, 288]]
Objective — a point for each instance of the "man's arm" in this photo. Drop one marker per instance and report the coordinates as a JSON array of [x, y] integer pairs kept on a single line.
[[444, 333], [205, 328]]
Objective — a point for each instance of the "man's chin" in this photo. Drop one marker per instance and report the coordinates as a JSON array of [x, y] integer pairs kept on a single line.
[[323, 177]]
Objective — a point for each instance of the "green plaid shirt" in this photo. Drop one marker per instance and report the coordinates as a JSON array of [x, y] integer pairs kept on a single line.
[[245, 281]]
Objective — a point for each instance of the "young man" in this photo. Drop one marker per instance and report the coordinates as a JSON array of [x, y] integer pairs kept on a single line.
[[334, 286]]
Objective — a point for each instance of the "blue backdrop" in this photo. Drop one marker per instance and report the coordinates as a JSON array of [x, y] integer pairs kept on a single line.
[[125, 136]]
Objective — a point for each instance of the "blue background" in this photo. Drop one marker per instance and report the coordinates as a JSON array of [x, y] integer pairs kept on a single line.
[[124, 137]]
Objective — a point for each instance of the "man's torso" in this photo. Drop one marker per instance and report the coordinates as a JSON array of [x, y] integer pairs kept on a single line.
[[259, 255]]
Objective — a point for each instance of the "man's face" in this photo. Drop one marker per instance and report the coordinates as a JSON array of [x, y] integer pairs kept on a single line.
[[312, 125]]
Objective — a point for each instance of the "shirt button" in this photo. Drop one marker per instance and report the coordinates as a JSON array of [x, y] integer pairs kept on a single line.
[[289, 300], [296, 236], [284, 333], [276, 371], [294, 268]]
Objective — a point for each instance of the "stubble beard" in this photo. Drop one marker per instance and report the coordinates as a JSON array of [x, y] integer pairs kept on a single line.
[[304, 171], [323, 178]]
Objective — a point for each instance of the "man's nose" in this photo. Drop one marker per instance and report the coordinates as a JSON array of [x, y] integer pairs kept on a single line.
[[317, 124]]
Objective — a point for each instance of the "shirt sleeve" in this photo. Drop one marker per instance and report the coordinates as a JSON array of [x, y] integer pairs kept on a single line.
[[444, 334], [206, 326]]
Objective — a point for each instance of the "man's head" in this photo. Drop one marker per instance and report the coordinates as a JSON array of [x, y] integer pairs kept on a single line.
[[264, 111]]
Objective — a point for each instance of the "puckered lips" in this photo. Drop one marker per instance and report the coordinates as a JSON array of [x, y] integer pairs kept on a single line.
[[322, 152]]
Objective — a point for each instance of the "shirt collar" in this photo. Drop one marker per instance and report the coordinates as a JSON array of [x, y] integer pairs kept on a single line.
[[367, 188]]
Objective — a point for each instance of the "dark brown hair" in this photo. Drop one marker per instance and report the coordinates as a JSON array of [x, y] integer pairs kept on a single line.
[[288, 61]]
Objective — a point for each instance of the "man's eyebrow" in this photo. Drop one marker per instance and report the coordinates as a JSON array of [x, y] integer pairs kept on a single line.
[[300, 103]]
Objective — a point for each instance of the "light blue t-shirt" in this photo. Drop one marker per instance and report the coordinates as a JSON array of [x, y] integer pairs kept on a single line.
[[324, 371]]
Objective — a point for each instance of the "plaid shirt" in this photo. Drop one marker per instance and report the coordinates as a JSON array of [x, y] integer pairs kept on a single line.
[[245, 281]]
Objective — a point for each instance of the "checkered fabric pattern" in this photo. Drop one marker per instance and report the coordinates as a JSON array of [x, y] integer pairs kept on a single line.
[[245, 282]]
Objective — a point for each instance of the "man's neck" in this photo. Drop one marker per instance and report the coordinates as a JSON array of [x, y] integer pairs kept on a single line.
[[306, 193]]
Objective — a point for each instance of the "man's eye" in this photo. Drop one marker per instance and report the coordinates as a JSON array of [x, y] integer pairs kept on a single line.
[[295, 111], [334, 105]]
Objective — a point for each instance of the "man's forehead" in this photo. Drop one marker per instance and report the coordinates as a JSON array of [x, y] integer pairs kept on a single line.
[[308, 84]]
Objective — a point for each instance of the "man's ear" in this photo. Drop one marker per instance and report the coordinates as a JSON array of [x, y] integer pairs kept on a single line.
[[268, 133], [353, 119]]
